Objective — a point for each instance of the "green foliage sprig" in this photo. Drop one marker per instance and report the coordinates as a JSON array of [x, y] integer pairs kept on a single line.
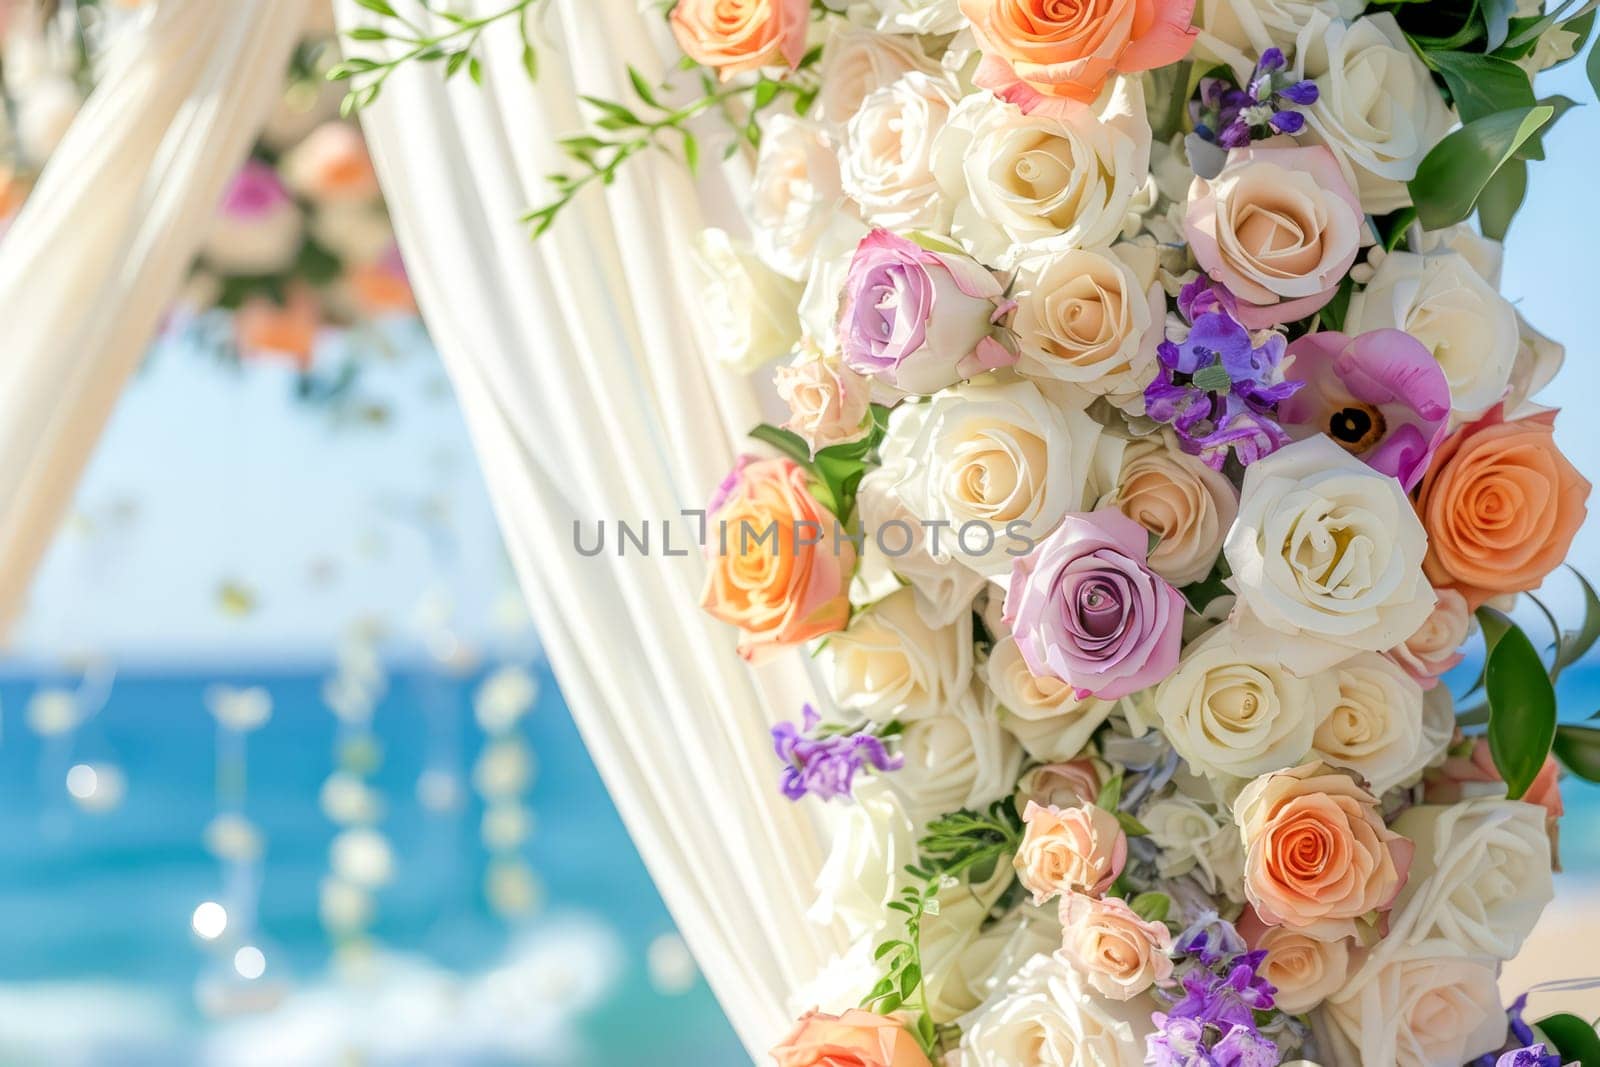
[[965, 842]]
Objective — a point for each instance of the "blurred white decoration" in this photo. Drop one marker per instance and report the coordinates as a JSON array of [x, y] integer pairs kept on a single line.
[[362, 857], [249, 962], [97, 787], [671, 967], [504, 768], [232, 838], [512, 889], [242, 710], [504, 697], [52, 712], [210, 920], [347, 800], [344, 909], [506, 826], [439, 790]]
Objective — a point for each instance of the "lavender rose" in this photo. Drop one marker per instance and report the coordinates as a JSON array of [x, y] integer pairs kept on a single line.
[[919, 320], [1085, 607]]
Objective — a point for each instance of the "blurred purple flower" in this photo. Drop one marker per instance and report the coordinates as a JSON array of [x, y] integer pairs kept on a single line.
[[1232, 117], [825, 766]]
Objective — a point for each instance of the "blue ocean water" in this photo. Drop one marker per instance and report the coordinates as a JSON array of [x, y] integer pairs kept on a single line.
[[98, 964]]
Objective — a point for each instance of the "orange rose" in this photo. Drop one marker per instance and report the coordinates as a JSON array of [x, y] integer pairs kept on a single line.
[[262, 328], [734, 36], [1317, 854], [331, 165], [1501, 505], [779, 569], [855, 1039], [1052, 53]]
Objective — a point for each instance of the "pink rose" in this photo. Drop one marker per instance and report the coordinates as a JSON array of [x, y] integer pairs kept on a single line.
[[855, 1039], [1317, 853], [1436, 646], [1061, 784], [1080, 849], [1278, 227], [1086, 608], [1120, 954]]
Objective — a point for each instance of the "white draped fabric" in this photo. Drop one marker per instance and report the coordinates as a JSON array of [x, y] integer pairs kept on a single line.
[[588, 398], [101, 249]]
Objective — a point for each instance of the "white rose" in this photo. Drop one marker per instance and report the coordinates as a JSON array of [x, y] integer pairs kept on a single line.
[[1232, 710], [885, 164], [1443, 302], [997, 464], [1416, 1006], [257, 244], [1484, 254], [1042, 713], [1092, 318], [1480, 878], [1538, 360], [872, 840], [1304, 970], [353, 230], [794, 194], [748, 310], [1027, 184], [890, 664], [960, 758], [1047, 1016], [835, 247], [1236, 32], [1326, 555], [857, 62], [1375, 725], [1196, 839], [944, 592], [960, 980], [1377, 107], [1178, 498], [921, 17]]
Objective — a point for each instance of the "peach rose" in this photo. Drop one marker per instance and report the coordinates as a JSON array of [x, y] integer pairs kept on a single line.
[[855, 1039], [1079, 849], [1304, 970], [1436, 646], [1061, 784], [828, 402], [381, 287], [779, 570], [1053, 54], [1279, 227], [1472, 773], [734, 36], [1119, 954], [1317, 854], [1501, 505], [262, 328], [331, 165]]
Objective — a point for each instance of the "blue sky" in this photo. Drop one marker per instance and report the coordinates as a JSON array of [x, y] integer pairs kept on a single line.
[[206, 476]]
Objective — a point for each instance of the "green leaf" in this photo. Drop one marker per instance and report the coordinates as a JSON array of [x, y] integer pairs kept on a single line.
[[1591, 67], [1454, 173], [1534, 149], [367, 33], [765, 91], [530, 61], [1574, 644], [1212, 379], [691, 152], [611, 110], [1110, 793], [1131, 826], [475, 71], [1151, 907], [380, 6], [1522, 706], [1483, 85], [457, 61], [1501, 198], [1573, 1038], [1496, 21], [642, 87], [1578, 748]]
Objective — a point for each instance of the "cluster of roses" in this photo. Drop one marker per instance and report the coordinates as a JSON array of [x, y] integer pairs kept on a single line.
[[1272, 454]]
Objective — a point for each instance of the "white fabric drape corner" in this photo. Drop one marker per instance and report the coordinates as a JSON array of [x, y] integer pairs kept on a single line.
[[588, 399], [102, 246]]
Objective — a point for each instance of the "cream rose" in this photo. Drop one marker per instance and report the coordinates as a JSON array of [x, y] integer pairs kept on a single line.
[[870, 844], [1119, 954], [920, 17], [996, 465], [960, 758], [966, 956], [1481, 876], [1279, 227], [1304, 970], [1236, 32], [1377, 107], [1435, 647], [1375, 725], [856, 63], [1443, 302], [1027, 184], [1484, 254], [1178, 498], [794, 194], [748, 310], [1538, 360], [1092, 318], [1195, 840], [1080, 849], [831, 256], [1326, 555], [944, 593], [1046, 1015], [1042, 713], [1417, 1006], [885, 164], [889, 664], [1233, 711]]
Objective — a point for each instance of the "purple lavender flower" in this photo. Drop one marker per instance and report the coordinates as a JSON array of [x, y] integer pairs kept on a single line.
[[825, 765], [1534, 1055], [1212, 1018], [1233, 117], [1218, 386], [1529, 1053]]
